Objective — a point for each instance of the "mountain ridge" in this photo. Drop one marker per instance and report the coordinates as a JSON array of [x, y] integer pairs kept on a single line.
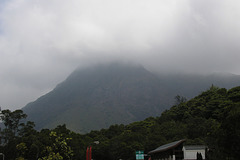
[[97, 97], [111, 94]]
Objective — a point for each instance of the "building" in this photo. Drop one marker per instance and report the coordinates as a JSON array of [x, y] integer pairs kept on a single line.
[[170, 151], [177, 151], [190, 152]]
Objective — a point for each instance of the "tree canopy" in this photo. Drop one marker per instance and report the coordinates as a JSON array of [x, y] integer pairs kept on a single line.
[[211, 118]]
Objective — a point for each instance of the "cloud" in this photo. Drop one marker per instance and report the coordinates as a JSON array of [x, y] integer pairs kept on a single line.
[[41, 42]]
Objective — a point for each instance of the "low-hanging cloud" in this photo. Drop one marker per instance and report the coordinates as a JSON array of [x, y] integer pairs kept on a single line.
[[42, 41]]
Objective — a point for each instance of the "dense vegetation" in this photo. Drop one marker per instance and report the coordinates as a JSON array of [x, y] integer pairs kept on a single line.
[[212, 119]]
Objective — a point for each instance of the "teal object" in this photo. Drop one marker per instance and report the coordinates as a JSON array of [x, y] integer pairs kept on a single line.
[[139, 155]]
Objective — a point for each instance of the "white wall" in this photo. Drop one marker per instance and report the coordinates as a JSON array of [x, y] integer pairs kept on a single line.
[[192, 154]]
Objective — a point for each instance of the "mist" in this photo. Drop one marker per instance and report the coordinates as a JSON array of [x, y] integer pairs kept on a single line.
[[42, 42]]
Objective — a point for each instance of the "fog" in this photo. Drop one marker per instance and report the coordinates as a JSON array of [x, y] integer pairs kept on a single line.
[[42, 41]]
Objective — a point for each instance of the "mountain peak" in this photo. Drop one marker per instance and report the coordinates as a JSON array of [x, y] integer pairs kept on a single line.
[[99, 96], [96, 97]]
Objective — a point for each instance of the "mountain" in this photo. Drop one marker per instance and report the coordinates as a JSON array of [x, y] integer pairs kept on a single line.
[[96, 97], [190, 85], [99, 96], [211, 119]]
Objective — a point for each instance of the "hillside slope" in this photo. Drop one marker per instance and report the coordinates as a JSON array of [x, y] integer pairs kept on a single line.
[[95, 98], [211, 119], [99, 96]]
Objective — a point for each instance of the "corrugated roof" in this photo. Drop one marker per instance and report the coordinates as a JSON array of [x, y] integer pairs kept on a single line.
[[167, 146]]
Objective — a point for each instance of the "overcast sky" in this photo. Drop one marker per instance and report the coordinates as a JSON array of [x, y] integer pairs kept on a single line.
[[43, 41]]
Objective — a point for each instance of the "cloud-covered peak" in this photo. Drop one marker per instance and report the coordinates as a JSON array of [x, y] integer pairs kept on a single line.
[[41, 42]]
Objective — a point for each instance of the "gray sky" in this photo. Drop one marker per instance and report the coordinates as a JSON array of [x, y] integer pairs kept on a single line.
[[43, 41]]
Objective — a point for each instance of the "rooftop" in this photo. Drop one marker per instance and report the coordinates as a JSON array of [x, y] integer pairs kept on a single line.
[[167, 146], [195, 147]]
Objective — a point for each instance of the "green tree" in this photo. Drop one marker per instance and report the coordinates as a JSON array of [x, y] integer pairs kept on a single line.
[[229, 137], [11, 120], [180, 99], [59, 148], [22, 148]]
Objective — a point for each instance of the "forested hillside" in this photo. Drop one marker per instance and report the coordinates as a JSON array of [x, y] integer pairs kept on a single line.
[[212, 118], [96, 97]]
